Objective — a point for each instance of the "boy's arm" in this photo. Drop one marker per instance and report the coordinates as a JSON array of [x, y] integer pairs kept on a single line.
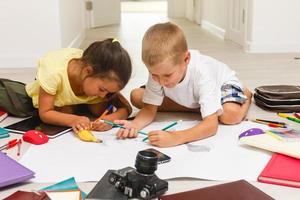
[[143, 118], [208, 127], [51, 116]]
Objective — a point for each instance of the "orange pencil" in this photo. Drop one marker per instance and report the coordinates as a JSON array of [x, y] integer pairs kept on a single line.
[[104, 113]]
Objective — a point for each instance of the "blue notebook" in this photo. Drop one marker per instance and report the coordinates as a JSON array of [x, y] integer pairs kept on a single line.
[[12, 172]]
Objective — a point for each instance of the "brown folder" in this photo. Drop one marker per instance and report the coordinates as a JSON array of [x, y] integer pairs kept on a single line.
[[237, 190], [23, 195]]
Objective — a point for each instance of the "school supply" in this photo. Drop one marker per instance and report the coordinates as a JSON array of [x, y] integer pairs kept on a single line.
[[64, 186], [118, 125], [24, 195], [10, 144], [164, 129], [104, 190], [3, 133], [237, 190], [268, 123], [281, 170], [61, 195], [278, 98], [3, 115], [12, 172], [108, 109], [14, 99], [297, 115], [289, 117], [35, 123], [260, 139], [272, 122]]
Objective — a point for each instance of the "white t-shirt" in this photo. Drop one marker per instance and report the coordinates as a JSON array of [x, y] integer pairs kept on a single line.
[[200, 88]]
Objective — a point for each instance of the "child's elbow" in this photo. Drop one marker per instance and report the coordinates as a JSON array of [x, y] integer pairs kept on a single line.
[[214, 129]]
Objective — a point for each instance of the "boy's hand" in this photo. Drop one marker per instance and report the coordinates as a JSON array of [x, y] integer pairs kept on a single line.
[[99, 126], [129, 132], [163, 139], [81, 123]]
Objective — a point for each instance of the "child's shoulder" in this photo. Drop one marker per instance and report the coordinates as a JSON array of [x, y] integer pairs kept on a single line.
[[63, 52]]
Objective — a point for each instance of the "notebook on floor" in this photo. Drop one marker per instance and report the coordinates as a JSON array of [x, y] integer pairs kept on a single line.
[[12, 172], [35, 123], [237, 190], [281, 170]]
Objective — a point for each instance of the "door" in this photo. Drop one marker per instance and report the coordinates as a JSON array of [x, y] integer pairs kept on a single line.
[[103, 12], [236, 21]]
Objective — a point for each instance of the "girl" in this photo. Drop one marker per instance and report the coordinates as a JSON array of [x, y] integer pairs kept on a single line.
[[71, 79]]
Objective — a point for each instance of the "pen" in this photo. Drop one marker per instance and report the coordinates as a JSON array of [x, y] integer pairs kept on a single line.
[[273, 122], [164, 129], [118, 125], [288, 117], [104, 113]]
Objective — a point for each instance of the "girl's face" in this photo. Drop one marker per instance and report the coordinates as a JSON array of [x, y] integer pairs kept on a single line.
[[95, 86], [168, 74]]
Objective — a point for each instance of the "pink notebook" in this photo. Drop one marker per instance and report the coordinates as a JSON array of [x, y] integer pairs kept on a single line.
[[281, 170]]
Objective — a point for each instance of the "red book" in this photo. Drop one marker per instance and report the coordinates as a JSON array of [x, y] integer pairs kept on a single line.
[[3, 115], [281, 170]]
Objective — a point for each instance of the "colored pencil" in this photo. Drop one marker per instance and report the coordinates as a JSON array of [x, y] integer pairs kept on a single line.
[[289, 117], [164, 129], [269, 124], [273, 135], [104, 113], [118, 125], [297, 115], [273, 122]]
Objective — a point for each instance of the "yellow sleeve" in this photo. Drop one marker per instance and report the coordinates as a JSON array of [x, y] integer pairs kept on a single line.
[[48, 78]]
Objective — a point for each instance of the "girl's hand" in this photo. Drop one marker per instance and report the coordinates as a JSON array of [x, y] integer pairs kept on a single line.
[[129, 132], [81, 123], [163, 139], [99, 126]]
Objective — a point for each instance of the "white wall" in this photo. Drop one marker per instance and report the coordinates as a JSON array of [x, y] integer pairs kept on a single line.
[[214, 12], [275, 26], [72, 22], [31, 28], [176, 8]]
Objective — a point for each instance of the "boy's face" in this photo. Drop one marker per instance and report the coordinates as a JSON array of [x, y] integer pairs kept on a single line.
[[167, 74]]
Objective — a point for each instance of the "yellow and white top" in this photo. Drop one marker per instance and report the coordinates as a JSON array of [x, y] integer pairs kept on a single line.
[[52, 76]]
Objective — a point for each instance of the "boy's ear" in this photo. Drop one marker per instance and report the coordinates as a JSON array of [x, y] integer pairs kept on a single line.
[[187, 57]]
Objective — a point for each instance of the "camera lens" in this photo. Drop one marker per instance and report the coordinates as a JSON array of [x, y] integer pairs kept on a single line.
[[146, 162]]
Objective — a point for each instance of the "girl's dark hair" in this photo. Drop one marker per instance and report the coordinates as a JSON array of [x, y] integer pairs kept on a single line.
[[108, 60]]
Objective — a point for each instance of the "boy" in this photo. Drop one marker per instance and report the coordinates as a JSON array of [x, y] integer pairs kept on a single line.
[[184, 80]]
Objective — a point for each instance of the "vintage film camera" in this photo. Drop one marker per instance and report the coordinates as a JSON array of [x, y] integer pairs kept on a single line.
[[142, 181]]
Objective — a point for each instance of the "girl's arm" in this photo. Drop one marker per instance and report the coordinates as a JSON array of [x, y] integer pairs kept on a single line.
[[49, 115], [207, 128], [124, 108]]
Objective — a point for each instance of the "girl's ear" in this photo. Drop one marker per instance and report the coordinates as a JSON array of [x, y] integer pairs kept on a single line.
[[88, 70]]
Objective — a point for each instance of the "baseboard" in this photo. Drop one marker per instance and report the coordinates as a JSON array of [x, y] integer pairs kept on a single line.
[[217, 31], [271, 48], [78, 40]]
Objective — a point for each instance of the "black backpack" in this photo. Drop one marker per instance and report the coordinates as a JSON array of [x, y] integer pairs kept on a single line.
[[278, 98], [14, 99]]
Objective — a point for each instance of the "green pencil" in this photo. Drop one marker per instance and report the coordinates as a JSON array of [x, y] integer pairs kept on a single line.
[[164, 129], [118, 125]]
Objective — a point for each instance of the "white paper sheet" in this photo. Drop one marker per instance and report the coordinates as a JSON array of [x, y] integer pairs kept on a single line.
[[220, 157]]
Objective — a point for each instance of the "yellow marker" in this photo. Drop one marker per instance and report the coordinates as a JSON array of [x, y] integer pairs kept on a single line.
[[283, 115], [87, 136], [273, 135]]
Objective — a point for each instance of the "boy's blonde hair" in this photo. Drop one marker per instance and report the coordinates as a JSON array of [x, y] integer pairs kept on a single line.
[[163, 41]]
